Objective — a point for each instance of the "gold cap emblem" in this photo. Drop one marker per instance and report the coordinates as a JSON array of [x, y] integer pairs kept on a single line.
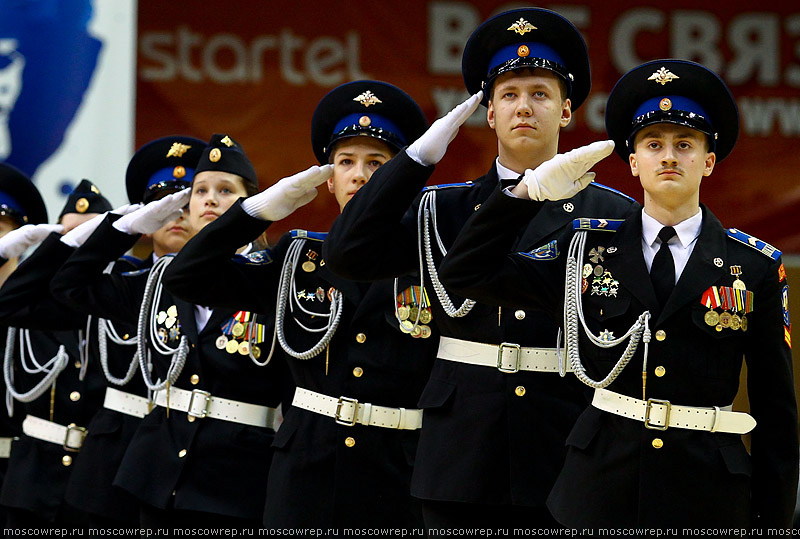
[[523, 51], [663, 76], [214, 155], [81, 205], [665, 104], [227, 141], [177, 149], [178, 172], [364, 121], [93, 188], [367, 99], [521, 27]]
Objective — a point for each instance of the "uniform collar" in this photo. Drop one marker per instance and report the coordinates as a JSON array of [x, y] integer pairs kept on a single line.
[[687, 230], [505, 173]]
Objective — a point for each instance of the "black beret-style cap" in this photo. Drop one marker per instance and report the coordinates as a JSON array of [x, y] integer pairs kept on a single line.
[[164, 164], [226, 155], [367, 108], [85, 198], [20, 200]]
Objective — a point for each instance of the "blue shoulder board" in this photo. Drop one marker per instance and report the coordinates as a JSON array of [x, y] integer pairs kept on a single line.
[[606, 225], [132, 260], [607, 188], [305, 234], [134, 273], [548, 251], [751, 241], [256, 258], [447, 186]]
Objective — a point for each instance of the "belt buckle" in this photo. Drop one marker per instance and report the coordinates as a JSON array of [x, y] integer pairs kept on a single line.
[[337, 416], [204, 412], [647, 423], [500, 349], [73, 427]]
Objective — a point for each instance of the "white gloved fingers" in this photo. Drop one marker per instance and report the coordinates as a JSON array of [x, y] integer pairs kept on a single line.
[[466, 109], [312, 177], [125, 209], [78, 235], [591, 154], [584, 181], [306, 197]]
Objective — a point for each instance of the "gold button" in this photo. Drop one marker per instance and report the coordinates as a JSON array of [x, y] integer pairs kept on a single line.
[[520, 391], [126, 337], [360, 338], [194, 379], [477, 207], [74, 396], [358, 372], [660, 371], [190, 418], [77, 364], [520, 314], [66, 460], [661, 335], [349, 441], [658, 443], [182, 453]]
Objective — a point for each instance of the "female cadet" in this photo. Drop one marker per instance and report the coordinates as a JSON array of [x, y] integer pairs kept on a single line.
[[201, 456], [344, 453]]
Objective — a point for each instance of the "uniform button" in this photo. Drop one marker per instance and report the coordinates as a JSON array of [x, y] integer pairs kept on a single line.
[[192, 345], [75, 396], [658, 443], [520, 391], [349, 441], [569, 207], [194, 379], [520, 314], [77, 364], [477, 207], [190, 418], [360, 338], [126, 337], [660, 371], [661, 335], [181, 453], [66, 460], [358, 372]]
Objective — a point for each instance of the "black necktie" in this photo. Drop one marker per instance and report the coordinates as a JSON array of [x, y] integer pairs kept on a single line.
[[662, 272]]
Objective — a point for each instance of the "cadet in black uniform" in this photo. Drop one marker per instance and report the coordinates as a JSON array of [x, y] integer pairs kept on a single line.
[[660, 446], [496, 412], [160, 167], [344, 453], [201, 457], [20, 205], [46, 367]]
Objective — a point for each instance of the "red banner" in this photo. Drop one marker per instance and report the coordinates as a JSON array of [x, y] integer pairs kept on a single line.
[[256, 70]]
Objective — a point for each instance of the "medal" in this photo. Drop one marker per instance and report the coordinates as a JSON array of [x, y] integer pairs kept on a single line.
[[712, 318], [402, 312], [308, 266], [256, 351], [744, 323], [169, 322], [425, 316], [736, 271], [232, 346], [587, 270], [425, 331], [162, 317], [320, 293], [162, 335], [584, 285], [736, 322], [413, 314], [406, 326], [244, 348], [222, 341], [172, 312], [598, 270], [238, 329], [725, 319]]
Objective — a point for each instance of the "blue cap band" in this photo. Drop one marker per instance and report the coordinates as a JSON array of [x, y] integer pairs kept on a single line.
[[11, 203], [678, 103], [166, 175], [535, 50], [376, 121]]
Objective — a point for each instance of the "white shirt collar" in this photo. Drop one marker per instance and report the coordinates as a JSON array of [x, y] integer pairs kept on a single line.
[[687, 230], [503, 172]]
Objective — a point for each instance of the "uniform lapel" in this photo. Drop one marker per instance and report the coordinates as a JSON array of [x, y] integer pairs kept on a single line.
[[700, 271]]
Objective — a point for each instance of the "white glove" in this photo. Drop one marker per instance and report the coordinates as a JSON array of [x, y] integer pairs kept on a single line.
[[154, 215], [566, 174], [78, 235], [17, 241], [430, 147], [288, 194]]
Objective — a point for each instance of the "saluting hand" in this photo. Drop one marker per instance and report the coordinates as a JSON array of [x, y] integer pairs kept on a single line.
[[566, 174], [287, 194], [17, 241], [149, 218], [430, 147], [78, 235]]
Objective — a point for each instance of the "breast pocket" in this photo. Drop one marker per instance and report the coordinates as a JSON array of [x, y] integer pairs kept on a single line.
[[607, 318]]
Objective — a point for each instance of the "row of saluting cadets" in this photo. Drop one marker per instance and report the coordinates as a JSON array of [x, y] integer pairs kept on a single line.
[[400, 370]]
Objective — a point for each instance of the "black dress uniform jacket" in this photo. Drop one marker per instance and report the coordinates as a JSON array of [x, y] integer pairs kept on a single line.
[[614, 475], [316, 477], [224, 466], [39, 471], [480, 442]]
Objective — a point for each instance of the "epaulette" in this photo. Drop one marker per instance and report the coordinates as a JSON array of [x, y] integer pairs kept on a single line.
[[134, 273], [441, 186], [132, 260], [751, 241], [607, 188], [305, 234], [256, 258], [549, 251], [606, 225]]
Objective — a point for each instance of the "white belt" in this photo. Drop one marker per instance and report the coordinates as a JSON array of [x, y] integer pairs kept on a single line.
[[505, 357], [660, 414], [126, 403], [200, 404], [69, 437], [5, 447], [346, 411]]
